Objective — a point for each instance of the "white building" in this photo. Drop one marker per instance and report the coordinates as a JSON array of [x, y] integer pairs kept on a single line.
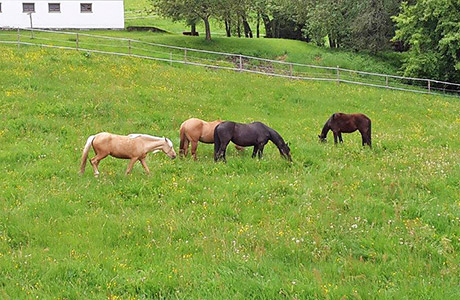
[[85, 14]]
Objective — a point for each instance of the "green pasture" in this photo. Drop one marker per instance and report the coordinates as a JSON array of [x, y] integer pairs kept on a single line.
[[340, 222]]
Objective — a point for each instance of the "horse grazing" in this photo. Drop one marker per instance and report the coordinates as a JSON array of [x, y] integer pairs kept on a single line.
[[194, 130], [133, 147], [254, 134], [347, 123]]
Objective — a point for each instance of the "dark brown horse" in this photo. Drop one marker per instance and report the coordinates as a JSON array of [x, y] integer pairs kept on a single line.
[[254, 134], [347, 123]]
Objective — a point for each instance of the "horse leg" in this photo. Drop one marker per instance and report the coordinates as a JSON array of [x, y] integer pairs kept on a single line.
[[95, 162], [145, 166], [194, 146], [340, 137], [223, 150], [239, 148], [261, 151], [254, 152], [335, 137], [184, 149], [363, 138], [130, 165]]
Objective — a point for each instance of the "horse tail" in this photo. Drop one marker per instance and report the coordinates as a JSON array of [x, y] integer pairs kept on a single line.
[[182, 137], [84, 157], [369, 137], [216, 142]]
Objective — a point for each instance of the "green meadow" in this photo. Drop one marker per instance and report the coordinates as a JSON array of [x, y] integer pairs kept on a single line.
[[340, 222]]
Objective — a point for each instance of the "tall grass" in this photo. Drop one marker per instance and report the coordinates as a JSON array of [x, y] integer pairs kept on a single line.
[[339, 222]]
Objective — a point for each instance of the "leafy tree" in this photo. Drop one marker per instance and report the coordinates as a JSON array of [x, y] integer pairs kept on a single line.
[[372, 28], [283, 18], [189, 10], [432, 30], [329, 18]]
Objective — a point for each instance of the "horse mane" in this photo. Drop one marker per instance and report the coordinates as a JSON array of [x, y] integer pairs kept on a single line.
[[275, 137], [151, 137], [326, 126]]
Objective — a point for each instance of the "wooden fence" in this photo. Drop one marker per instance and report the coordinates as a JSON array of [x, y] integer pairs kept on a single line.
[[93, 43]]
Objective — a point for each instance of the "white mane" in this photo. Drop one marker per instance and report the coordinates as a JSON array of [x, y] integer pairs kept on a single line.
[[136, 135], [156, 138]]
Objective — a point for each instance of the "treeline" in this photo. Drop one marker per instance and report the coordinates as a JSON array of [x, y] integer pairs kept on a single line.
[[340, 23], [428, 29]]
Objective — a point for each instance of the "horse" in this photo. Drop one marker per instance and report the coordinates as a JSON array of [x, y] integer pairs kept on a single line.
[[133, 147], [347, 123], [194, 130], [254, 134]]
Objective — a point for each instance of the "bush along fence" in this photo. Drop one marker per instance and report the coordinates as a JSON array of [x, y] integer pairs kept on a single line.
[[220, 60]]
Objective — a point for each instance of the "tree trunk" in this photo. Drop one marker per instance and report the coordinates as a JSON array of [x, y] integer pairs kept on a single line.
[[331, 41], [238, 26], [268, 26], [258, 26], [193, 29], [228, 28], [207, 28], [247, 28]]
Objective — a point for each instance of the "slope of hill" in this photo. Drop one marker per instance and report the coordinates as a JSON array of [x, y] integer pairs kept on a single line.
[[339, 222], [290, 50]]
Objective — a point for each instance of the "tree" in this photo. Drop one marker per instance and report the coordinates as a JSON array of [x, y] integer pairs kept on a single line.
[[283, 18], [330, 18], [188, 10], [431, 28], [372, 28]]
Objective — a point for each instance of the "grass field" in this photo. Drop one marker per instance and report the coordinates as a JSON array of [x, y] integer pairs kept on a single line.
[[339, 222]]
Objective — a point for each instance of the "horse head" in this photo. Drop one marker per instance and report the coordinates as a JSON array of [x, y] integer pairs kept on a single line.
[[285, 151], [322, 138], [168, 148]]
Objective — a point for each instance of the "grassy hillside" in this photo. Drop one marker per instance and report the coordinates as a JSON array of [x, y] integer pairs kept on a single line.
[[289, 50], [339, 222]]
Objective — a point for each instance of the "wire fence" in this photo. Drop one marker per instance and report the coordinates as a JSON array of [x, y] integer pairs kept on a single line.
[[220, 60]]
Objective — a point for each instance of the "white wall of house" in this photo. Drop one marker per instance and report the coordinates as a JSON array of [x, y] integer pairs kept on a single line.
[[105, 14]]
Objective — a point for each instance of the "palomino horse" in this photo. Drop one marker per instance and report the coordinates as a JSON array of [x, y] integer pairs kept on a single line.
[[133, 147], [194, 130], [254, 134], [347, 123]]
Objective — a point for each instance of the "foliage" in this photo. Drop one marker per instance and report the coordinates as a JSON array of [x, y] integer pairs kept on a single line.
[[340, 222], [189, 10], [372, 29], [432, 30]]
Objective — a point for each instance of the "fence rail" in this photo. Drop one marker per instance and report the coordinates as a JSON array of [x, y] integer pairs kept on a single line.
[[220, 60]]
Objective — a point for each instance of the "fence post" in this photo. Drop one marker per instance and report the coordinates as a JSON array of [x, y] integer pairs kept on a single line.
[[241, 63], [429, 86], [185, 55], [338, 75], [19, 37], [129, 47], [290, 70], [386, 81], [76, 42]]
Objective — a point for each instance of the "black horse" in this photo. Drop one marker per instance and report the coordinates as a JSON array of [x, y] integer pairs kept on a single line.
[[254, 134]]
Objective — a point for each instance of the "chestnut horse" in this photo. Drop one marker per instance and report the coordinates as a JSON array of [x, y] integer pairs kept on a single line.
[[194, 130], [133, 147], [347, 123], [254, 134]]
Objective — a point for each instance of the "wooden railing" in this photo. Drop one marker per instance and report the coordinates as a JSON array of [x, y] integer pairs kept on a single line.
[[81, 41]]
